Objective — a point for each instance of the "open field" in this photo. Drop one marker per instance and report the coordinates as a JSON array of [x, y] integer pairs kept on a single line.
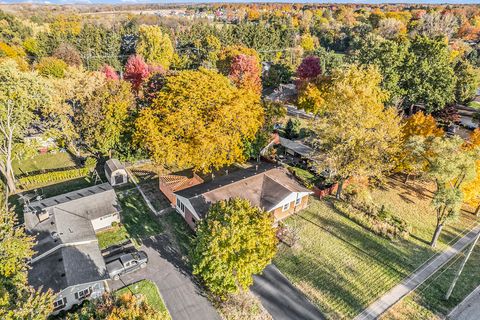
[[136, 222], [342, 267], [150, 291]]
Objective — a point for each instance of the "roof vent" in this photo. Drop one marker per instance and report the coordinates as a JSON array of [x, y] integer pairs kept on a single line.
[[62, 275], [43, 215]]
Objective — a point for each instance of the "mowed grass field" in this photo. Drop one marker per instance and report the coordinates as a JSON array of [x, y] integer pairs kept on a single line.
[[343, 267], [44, 162]]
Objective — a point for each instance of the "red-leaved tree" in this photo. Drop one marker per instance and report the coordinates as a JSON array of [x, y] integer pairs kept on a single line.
[[309, 69], [245, 73], [136, 71], [109, 72]]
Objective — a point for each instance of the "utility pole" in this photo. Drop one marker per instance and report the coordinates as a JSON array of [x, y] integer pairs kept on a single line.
[[459, 272]]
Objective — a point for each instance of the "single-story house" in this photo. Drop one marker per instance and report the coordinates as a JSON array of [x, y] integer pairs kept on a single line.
[[115, 172], [265, 185], [67, 257], [292, 147]]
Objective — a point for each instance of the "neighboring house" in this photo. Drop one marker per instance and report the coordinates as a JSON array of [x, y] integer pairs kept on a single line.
[[292, 148], [115, 172], [467, 116], [67, 257], [266, 186], [170, 184]]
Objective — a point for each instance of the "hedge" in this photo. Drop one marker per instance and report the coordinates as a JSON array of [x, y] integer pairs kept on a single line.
[[58, 175]]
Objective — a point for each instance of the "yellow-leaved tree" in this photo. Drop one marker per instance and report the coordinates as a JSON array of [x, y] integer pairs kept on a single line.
[[155, 46], [421, 125], [356, 135], [199, 119], [471, 189]]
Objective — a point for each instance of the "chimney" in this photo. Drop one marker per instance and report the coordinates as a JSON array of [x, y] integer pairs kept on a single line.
[[226, 172], [256, 167]]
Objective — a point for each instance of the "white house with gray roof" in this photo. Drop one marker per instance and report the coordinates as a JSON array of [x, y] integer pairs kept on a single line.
[[68, 259]]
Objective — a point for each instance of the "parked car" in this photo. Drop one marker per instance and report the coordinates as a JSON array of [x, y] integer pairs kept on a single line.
[[127, 263]]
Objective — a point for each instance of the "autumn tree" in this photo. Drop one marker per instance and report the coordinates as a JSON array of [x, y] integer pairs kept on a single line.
[[136, 71], [110, 73], [69, 54], [51, 66], [229, 53], [18, 300], [309, 69], [421, 125], [155, 46], [389, 56], [450, 166], [101, 121], [199, 119], [234, 242], [21, 95], [245, 73], [71, 93], [356, 135]]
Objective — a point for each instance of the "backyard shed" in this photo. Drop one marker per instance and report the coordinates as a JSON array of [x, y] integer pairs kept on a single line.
[[115, 172]]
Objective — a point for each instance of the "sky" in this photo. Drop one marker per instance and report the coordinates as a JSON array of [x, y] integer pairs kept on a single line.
[[236, 1]]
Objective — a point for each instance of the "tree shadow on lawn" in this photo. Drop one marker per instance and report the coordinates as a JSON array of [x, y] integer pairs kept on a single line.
[[136, 217], [412, 188], [390, 253], [328, 283]]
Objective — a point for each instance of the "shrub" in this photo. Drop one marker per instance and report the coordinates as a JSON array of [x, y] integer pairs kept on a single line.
[[359, 207], [51, 66], [53, 176]]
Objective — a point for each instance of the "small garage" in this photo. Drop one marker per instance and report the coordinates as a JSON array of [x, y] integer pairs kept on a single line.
[[115, 172]]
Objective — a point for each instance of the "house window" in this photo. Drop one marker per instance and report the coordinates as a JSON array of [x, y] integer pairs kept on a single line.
[[82, 294], [297, 201], [194, 221], [59, 304], [181, 206], [286, 206]]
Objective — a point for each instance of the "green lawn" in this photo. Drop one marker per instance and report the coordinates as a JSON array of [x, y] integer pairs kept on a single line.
[[44, 163], [150, 291], [179, 230], [137, 222], [342, 267]]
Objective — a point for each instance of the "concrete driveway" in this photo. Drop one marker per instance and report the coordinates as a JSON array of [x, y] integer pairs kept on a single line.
[[183, 297], [280, 297]]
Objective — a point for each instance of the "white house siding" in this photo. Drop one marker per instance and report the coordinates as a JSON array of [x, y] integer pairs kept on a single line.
[[187, 204], [291, 198], [105, 221], [98, 288]]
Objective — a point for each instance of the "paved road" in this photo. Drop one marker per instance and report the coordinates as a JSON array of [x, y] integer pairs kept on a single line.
[[469, 308], [281, 299], [416, 279], [183, 297]]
